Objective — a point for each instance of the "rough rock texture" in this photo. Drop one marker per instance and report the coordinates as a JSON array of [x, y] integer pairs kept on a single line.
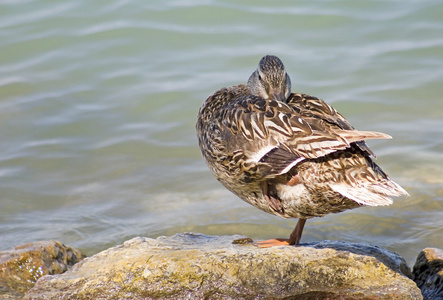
[[22, 266], [428, 273], [196, 266]]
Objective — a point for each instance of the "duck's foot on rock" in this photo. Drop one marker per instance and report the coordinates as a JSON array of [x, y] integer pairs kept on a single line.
[[272, 243]]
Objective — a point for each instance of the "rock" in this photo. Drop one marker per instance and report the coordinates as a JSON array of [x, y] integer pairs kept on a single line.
[[22, 266], [428, 273], [196, 266]]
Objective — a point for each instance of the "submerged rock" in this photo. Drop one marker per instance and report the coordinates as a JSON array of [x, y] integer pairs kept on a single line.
[[22, 266], [196, 266], [428, 273]]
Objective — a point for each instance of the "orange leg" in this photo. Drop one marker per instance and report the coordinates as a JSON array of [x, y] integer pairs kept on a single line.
[[294, 238], [294, 180]]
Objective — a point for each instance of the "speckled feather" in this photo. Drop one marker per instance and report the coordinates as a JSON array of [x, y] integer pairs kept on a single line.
[[291, 155]]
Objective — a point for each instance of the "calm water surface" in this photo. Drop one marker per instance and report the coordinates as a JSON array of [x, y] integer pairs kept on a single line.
[[98, 101]]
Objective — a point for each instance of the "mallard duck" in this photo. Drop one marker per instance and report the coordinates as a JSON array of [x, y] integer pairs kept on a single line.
[[289, 154]]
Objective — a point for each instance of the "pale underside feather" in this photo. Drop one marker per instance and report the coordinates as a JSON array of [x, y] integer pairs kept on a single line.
[[361, 195]]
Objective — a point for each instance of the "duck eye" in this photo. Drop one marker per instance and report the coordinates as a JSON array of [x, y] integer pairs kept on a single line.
[[259, 77]]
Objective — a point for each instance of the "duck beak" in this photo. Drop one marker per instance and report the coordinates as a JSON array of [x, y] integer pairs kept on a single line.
[[278, 95]]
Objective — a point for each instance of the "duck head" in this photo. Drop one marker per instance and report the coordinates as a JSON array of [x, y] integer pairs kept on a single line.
[[270, 80]]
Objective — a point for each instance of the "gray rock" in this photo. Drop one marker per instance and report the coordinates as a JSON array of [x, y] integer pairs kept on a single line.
[[428, 273], [22, 266], [196, 266]]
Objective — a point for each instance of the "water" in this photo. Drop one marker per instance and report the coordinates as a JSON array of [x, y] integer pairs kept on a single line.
[[98, 101]]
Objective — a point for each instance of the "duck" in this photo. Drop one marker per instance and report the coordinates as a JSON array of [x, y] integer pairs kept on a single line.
[[289, 154]]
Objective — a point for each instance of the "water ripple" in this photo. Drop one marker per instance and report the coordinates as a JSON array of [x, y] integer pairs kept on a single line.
[[98, 104]]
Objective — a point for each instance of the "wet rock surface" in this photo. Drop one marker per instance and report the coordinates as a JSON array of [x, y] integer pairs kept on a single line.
[[428, 273], [196, 266], [22, 266]]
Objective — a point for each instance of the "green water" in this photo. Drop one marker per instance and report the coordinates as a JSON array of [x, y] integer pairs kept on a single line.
[[98, 101]]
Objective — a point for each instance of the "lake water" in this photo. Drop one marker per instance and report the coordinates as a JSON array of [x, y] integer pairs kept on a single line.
[[98, 101]]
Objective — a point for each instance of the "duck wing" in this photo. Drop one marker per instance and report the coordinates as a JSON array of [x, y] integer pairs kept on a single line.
[[323, 114], [275, 136]]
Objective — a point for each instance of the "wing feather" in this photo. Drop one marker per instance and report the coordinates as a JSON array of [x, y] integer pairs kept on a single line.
[[278, 135], [317, 109]]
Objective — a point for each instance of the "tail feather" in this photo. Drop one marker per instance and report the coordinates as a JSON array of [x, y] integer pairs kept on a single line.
[[372, 195], [355, 135]]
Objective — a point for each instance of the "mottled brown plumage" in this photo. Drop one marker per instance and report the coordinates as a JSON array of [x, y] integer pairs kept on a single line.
[[291, 155]]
